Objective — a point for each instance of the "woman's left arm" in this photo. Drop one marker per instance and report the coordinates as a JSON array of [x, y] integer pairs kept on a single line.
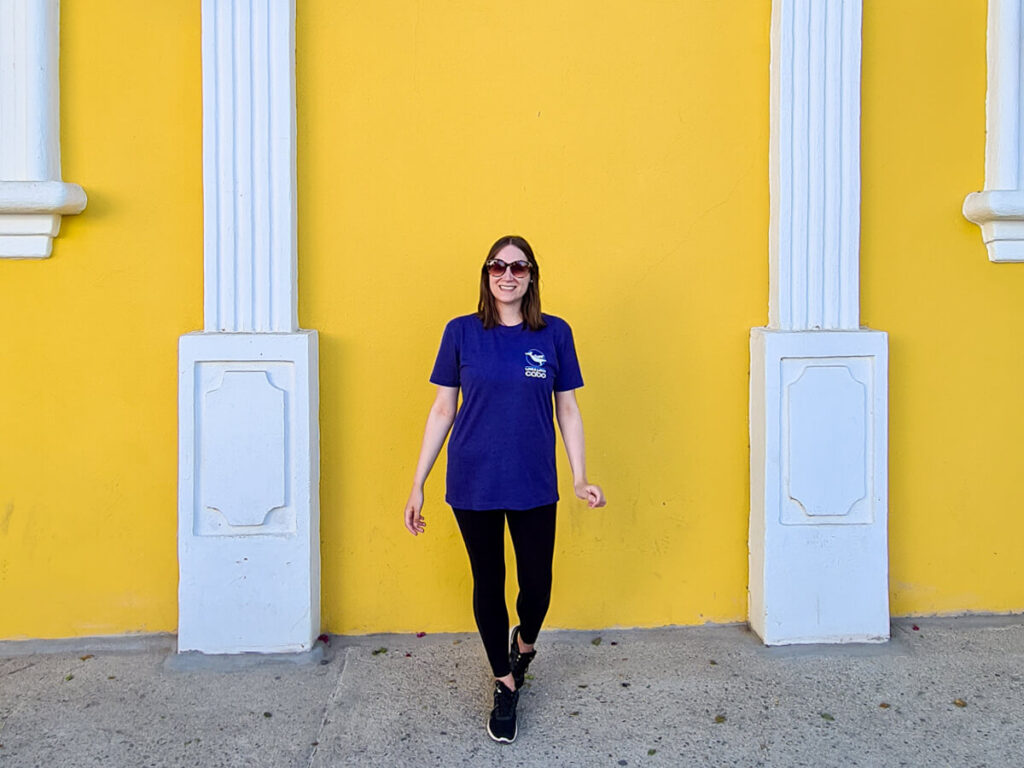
[[570, 422]]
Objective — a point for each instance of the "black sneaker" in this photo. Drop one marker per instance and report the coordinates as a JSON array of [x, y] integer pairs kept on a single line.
[[518, 660], [502, 725]]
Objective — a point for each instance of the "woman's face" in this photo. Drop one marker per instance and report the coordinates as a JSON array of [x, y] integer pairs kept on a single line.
[[506, 288]]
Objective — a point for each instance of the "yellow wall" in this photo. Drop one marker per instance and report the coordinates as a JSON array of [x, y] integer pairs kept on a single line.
[[629, 146], [629, 143], [954, 319], [88, 347]]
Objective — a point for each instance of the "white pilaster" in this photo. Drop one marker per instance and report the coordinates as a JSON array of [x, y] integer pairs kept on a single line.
[[249, 198], [248, 495], [818, 385], [999, 209], [32, 195]]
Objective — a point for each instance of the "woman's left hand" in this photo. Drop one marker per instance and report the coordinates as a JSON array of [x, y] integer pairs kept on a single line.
[[592, 494]]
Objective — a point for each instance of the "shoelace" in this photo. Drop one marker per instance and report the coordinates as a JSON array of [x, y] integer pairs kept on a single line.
[[504, 701]]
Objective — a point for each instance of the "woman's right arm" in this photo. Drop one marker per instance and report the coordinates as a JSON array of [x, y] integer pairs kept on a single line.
[[439, 423]]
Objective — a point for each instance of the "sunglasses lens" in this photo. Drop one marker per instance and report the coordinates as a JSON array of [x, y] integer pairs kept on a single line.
[[497, 267]]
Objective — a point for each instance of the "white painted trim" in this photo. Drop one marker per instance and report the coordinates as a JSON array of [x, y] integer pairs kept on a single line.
[[819, 486], [32, 195], [249, 197], [248, 407], [999, 209], [814, 165], [248, 492], [41, 197], [818, 384]]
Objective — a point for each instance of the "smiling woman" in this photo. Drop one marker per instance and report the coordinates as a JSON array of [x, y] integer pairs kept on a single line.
[[510, 285], [507, 358]]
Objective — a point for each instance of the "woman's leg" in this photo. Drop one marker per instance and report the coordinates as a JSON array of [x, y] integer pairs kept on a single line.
[[484, 535], [533, 537]]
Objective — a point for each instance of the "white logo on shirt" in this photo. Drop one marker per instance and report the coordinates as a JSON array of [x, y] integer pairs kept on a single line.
[[535, 358]]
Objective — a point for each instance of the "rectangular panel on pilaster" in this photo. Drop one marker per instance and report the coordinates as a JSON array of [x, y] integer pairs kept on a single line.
[[248, 517], [818, 542]]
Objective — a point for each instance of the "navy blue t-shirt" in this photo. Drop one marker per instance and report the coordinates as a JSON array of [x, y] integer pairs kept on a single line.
[[501, 454]]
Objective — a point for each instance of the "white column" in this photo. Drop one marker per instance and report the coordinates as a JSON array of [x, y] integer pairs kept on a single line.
[[999, 209], [818, 385], [248, 507], [32, 195]]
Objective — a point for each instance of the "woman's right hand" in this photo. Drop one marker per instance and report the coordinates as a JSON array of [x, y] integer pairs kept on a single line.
[[414, 521]]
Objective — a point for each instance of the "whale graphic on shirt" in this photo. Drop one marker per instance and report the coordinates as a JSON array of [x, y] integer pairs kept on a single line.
[[536, 357]]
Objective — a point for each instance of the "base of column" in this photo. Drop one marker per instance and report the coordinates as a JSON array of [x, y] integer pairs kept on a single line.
[[1000, 214], [818, 477], [30, 213], [248, 492], [28, 235]]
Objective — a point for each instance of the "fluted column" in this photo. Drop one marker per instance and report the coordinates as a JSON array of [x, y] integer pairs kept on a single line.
[[249, 166], [248, 506], [32, 196], [815, 165], [818, 397], [999, 208]]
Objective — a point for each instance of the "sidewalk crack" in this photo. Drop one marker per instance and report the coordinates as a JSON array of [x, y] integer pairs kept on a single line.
[[327, 709]]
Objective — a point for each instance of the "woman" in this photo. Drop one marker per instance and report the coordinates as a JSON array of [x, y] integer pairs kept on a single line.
[[507, 359]]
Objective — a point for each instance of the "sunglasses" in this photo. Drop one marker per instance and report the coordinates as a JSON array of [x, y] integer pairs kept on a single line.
[[497, 267]]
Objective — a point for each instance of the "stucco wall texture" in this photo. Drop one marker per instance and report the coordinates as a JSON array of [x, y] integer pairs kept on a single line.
[[630, 146]]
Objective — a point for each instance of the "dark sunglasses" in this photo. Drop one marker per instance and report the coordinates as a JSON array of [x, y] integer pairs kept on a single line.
[[497, 267]]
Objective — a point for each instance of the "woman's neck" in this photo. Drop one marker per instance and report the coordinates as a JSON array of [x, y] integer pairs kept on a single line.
[[510, 315]]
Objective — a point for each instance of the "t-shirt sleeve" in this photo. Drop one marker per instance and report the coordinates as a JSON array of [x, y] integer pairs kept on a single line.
[[446, 366], [569, 376]]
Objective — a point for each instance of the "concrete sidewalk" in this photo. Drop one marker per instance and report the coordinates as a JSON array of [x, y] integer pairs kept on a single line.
[[942, 692]]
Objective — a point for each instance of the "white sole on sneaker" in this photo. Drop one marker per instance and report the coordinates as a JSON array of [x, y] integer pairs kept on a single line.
[[502, 739]]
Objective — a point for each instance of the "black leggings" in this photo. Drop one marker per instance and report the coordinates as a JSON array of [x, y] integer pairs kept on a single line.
[[533, 538]]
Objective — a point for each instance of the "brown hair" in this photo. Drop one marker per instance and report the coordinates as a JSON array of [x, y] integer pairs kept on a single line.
[[487, 311]]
